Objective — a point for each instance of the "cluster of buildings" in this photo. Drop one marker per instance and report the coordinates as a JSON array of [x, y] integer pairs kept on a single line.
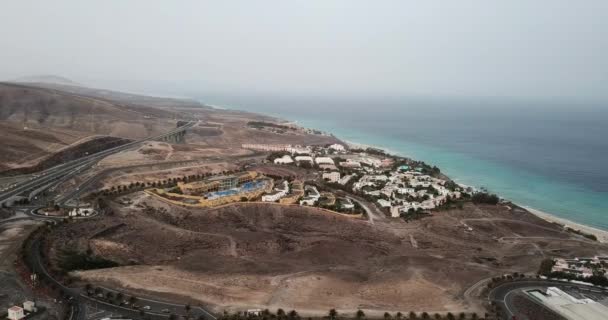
[[581, 267], [217, 190], [402, 190], [18, 313], [398, 188], [278, 148]]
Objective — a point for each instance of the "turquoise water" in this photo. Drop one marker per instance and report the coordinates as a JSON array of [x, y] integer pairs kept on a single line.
[[552, 161]]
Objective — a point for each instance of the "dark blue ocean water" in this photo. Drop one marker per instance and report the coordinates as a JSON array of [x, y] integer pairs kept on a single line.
[[549, 155]]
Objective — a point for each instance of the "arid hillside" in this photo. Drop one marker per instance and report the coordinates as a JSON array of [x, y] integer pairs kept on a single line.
[[40, 107], [37, 122], [259, 255]]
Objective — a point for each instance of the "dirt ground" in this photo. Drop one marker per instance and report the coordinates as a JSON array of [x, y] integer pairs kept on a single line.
[[12, 290], [269, 256]]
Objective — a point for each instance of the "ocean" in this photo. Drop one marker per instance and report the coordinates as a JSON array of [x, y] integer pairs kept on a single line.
[[547, 155]]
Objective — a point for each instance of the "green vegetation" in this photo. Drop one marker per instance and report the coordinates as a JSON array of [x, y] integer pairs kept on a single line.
[[545, 266], [70, 260], [586, 235], [262, 124], [485, 198]]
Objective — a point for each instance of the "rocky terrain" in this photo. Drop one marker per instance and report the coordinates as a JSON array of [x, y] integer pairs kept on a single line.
[[254, 255]]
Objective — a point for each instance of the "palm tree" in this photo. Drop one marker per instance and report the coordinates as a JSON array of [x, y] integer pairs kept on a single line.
[[399, 315], [462, 316], [474, 316], [412, 315], [280, 313], [425, 315], [293, 315], [437, 316], [387, 316], [450, 316], [360, 314], [187, 308], [333, 314]]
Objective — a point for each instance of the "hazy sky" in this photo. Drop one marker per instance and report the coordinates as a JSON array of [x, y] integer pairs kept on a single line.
[[518, 48]]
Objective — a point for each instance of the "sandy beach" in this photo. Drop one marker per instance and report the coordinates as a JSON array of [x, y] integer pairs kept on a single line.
[[602, 236]]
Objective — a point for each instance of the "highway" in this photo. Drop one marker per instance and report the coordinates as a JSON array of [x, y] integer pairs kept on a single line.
[[62, 172], [158, 309], [43, 180]]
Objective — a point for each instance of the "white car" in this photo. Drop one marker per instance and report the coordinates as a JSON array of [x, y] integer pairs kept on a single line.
[[146, 308]]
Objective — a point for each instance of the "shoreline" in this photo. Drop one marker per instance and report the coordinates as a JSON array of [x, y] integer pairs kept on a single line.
[[602, 235]]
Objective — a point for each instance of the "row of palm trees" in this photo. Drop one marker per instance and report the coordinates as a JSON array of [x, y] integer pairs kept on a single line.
[[133, 186], [359, 315]]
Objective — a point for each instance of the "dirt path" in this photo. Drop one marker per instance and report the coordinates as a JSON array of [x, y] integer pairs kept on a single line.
[[515, 221]]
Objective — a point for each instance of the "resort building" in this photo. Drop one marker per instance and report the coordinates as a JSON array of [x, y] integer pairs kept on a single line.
[[384, 203], [337, 147], [311, 197], [273, 196], [304, 158], [286, 159], [324, 160], [15, 313], [267, 147], [330, 167], [29, 306], [217, 183], [333, 176]]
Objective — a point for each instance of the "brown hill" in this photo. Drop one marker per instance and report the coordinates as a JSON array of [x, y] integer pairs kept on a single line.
[[36, 122]]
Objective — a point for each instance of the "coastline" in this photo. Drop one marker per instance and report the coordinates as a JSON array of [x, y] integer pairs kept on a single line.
[[602, 235]]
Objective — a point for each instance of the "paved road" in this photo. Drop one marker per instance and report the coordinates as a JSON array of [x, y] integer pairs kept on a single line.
[[68, 170], [62, 172], [80, 299]]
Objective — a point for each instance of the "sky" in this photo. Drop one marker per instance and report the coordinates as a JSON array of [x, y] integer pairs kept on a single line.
[[508, 48]]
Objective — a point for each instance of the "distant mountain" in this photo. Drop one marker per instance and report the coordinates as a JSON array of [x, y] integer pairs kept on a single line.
[[46, 79]]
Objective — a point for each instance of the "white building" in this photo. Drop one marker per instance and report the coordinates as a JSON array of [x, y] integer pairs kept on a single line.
[[273, 196], [324, 160], [15, 313], [384, 203], [281, 190], [337, 147], [267, 147], [570, 307], [286, 159], [312, 196], [304, 158], [81, 212], [29, 306], [349, 163], [333, 176]]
